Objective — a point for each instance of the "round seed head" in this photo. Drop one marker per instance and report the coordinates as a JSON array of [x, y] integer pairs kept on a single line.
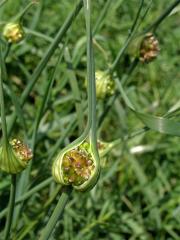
[[76, 167], [149, 48]]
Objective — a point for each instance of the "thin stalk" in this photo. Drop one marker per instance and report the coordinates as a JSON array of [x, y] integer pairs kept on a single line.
[[75, 89], [86, 131], [12, 95], [50, 51], [129, 38], [57, 213], [8, 47], [11, 207], [91, 79], [25, 231], [111, 101], [45, 100], [3, 114], [28, 194], [91, 122], [95, 29], [25, 176], [101, 17], [37, 15], [42, 64], [153, 27], [89, 59], [20, 16]]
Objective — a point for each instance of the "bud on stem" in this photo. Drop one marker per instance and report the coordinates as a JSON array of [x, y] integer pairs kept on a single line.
[[77, 167], [149, 48], [13, 32], [14, 156], [105, 86]]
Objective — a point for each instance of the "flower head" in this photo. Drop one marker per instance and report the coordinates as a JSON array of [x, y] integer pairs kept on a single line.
[[15, 157], [149, 48], [76, 167]]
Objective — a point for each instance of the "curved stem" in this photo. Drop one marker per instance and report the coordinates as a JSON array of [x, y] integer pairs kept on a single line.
[[91, 92], [11, 207], [57, 213]]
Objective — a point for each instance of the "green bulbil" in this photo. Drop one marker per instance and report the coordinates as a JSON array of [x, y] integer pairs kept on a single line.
[[14, 157]]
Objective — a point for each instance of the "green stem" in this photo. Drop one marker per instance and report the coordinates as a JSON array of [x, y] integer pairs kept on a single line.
[[91, 77], [124, 80], [20, 16], [57, 213], [102, 16], [92, 85], [29, 194], [45, 100], [42, 64], [11, 207], [75, 89], [128, 40], [153, 27], [40, 112], [90, 80], [3, 115], [87, 7]]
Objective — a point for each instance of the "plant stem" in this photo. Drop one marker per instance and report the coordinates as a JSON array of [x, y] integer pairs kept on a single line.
[[29, 194], [89, 59], [11, 207], [3, 115], [75, 89], [58, 211], [153, 27], [128, 40], [20, 16], [42, 64]]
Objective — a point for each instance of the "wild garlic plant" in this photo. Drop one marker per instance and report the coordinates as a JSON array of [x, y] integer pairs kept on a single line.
[[72, 166], [78, 165]]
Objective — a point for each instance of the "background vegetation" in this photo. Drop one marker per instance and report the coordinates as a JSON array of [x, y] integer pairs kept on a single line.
[[138, 193]]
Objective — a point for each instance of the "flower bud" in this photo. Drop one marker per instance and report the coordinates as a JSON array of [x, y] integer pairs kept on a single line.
[[15, 157], [13, 32], [149, 48], [77, 167], [105, 86]]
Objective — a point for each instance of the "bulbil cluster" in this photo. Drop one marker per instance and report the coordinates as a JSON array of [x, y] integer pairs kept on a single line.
[[15, 157], [21, 150], [77, 165], [149, 48]]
